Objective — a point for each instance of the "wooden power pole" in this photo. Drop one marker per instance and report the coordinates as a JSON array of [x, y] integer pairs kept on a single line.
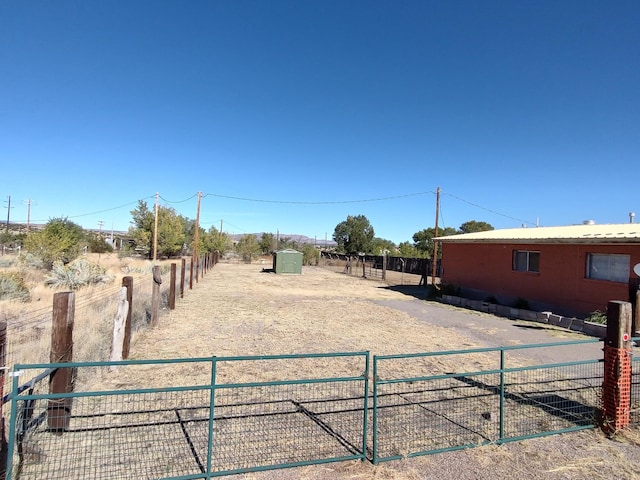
[[155, 232], [195, 236], [434, 259]]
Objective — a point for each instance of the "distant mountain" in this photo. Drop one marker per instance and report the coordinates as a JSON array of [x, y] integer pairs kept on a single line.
[[292, 236]]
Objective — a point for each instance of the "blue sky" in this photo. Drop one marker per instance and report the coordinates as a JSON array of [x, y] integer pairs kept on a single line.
[[290, 115]]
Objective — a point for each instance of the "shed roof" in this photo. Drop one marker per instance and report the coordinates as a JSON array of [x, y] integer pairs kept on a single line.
[[585, 233]]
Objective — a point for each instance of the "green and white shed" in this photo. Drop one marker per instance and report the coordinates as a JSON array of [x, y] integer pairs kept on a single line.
[[287, 261]]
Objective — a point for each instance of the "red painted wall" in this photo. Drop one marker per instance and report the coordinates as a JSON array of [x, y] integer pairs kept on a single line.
[[561, 282]]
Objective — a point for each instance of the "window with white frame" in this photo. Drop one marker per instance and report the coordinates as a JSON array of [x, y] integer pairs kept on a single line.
[[603, 266], [526, 261]]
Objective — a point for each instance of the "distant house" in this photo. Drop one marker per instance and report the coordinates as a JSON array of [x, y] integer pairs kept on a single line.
[[572, 270]]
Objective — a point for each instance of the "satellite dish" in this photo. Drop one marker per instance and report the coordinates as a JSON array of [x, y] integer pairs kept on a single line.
[[636, 269]]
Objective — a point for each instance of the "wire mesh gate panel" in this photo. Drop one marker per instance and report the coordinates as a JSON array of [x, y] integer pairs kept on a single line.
[[198, 429], [290, 422], [422, 405]]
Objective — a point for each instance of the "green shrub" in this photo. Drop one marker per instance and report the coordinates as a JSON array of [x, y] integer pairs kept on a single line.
[[12, 287], [76, 274], [29, 260], [58, 241], [597, 317]]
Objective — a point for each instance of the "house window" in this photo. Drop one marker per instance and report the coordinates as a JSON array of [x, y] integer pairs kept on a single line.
[[614, 268], [526, 261]]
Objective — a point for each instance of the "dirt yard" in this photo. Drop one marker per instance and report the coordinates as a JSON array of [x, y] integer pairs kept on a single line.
[[240, 310]]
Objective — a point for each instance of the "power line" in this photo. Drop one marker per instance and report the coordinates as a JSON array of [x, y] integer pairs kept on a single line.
[[179, 201], [334, 202], [103, 211], [489, 210]]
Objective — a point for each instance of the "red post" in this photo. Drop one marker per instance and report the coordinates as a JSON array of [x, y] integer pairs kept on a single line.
[[616, 388]]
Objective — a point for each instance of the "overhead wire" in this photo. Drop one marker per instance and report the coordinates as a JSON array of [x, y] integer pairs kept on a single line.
[[331, 202], [489, 210]]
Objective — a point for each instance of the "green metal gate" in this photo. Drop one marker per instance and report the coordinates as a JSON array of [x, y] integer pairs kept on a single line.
[[216, 423], [421, 408]]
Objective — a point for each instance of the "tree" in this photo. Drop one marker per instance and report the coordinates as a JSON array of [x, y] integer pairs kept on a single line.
[[60, 240], [267, 243], [310, 254], [380, 246], [142, 229], [171, 230], [354, 235], [406, 249], [214, 240], [473, 226], [247, 247], [423, 240]]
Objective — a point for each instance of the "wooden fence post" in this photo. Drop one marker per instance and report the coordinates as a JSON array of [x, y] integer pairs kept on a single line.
[[197, 273], [384, 266], [3, 362], [182, 272], [155, 296], [118, 328], [126, 342], [172, 288], [61, 380], [191, 275], [616, 387]]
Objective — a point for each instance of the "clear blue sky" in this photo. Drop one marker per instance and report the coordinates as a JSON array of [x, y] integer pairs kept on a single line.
[[520, 111]]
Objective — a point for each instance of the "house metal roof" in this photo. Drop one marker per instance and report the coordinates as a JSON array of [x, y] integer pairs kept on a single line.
[[585, 233]]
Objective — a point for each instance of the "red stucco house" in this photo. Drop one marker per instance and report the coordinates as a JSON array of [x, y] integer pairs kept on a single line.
[[572, 270]]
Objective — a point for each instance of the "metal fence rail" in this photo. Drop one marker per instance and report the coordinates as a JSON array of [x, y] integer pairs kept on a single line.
[[202, 418], [416, 414], [201, 429]]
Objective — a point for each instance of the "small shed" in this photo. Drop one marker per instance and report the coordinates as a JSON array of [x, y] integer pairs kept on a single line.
[[287, 261]]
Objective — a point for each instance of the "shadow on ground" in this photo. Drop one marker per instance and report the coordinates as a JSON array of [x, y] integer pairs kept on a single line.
[[416, 291]]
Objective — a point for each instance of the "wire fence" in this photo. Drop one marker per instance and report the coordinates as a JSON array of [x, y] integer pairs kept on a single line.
[[214, 423], [28, 334], [416, 414], [208, 417], [392, 270]]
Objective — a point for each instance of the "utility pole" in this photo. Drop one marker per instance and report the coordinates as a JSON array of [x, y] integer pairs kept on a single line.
[[29, 202], [220, 227], [100, 224], [195, 236], [434, 259], [8, 202], [155, 232]]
